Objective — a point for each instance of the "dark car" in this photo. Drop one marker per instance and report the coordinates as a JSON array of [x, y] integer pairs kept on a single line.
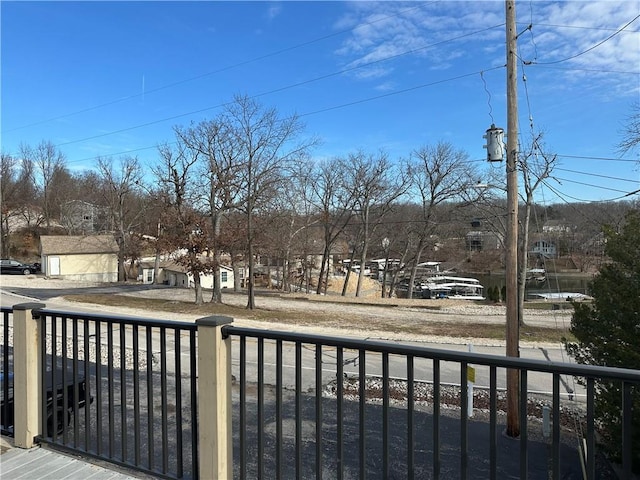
[[64, 411], [9, 266]]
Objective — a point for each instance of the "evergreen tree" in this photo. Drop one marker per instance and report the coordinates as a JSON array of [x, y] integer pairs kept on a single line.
[[608, 333]]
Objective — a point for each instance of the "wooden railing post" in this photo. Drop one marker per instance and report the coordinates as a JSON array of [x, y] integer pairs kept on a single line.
[[215, 440], [27, 374]]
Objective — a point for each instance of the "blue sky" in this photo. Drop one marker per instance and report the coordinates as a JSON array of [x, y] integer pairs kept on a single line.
[[113, 78]]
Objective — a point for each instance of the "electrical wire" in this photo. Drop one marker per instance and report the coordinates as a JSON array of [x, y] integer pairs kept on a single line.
[[223, 69], [306, 82], [564, 196], [201, 110], [576, 423], [588, 70], [590, 48], [597, 175], [607, 159], [590, 185], [484, 82]]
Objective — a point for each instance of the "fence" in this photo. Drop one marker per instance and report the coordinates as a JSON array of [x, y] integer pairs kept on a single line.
[[212, 400]]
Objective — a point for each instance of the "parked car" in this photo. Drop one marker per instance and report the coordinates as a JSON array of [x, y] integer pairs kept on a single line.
[[64, 412], [9, 266]]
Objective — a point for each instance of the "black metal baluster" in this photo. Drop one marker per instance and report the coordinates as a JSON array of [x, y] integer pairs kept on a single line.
[[410, 417], [123, 391], [194, 403], [464, 422], [591, 436], [436, 418], [339, 411], [163, 399], [298, 406], [318, 411], [556, 427], [179, 425], [385, 416], [136, 394], [493, 423], [279, 387], [260, 419], [98, 339], [524, 395], [111, 405], [362, 387], [150, 395], [87, 377], [243, 407]]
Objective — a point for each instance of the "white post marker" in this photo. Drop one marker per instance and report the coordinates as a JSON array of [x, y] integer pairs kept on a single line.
[[471, 379]]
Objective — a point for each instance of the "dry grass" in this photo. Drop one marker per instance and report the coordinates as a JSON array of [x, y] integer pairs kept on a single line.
[[346, 318]]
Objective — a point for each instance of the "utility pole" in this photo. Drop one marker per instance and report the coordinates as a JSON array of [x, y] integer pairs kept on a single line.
[[511, 274]]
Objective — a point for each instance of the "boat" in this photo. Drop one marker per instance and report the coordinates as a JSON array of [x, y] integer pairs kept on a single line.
[[450, 286], [435, 283], [536, 275]]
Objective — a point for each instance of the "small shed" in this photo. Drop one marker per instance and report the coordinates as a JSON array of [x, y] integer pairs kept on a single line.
[[177, 276], [91, 258]]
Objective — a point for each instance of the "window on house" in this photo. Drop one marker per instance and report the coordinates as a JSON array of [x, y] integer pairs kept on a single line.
[[149, 275], [223, 276]]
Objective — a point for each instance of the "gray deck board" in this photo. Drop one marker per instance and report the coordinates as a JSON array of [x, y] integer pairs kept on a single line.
[[41, 463]]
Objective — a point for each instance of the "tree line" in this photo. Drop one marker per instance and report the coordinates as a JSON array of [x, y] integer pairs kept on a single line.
[[246, 183]]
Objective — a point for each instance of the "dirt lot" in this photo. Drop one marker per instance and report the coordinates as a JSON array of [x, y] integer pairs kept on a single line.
[[442, 321]]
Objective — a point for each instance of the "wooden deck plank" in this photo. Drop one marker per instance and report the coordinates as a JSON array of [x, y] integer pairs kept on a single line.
[[41, 463]]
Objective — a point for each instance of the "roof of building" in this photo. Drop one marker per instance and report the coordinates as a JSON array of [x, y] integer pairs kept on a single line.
[[80, 244], [172, 266]]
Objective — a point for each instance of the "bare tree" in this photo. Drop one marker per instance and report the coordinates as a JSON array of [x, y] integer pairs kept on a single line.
[[376, 186], [221, 171], [631, 131], [122, 196], [437, 174], [47, 160], [536, 166], [185, 231], [334, 200], [16, 192], [264, 144], [291, 220]]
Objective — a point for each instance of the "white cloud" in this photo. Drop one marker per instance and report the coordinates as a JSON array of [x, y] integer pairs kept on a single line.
[[388, 33]]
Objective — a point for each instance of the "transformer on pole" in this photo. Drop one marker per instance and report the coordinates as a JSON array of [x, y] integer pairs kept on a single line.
[[495, 144]]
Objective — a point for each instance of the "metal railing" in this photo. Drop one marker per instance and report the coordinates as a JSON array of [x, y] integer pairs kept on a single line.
[[142, 376], [159, 396], [6, 373], [389, 432]]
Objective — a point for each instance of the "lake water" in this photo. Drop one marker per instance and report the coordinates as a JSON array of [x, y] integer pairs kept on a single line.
[[554, 283]]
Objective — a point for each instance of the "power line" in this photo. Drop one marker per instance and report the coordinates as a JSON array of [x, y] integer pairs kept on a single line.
[[590, 185], [597, 175], [590, 48], [605, 159], [173, 117], [562, 196], [589, 70], [397, 92], [223, 69], [578, 27]]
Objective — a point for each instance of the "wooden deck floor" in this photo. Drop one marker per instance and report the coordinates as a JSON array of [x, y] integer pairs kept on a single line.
[[43, 463]]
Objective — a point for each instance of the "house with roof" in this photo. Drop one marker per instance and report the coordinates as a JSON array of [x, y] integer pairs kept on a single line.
[[91, 258], [175, 275], [544, 249]]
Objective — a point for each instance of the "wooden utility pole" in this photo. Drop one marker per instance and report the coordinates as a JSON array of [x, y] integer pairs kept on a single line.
[[512, 330]]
